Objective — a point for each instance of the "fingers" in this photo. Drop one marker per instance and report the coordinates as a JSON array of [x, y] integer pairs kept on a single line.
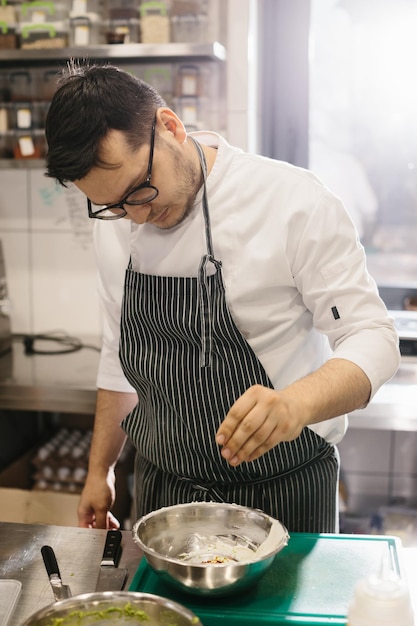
[[253, 433], [95, 518], [112, 522], [98, 519], [94, 506], [256, 423]]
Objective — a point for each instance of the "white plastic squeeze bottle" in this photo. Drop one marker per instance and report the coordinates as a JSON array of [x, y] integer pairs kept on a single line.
[[381, 601]]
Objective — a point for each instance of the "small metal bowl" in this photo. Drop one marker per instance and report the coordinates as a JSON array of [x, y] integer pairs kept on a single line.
[[207, 548], [114, 607]]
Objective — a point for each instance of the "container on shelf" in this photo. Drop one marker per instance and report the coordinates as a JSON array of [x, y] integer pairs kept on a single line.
[[27, 115], [42, 12], [154, 22], [7, 14], [189, 28], [123, 30], [22, 87], [121, 10], [47, 84], [6, 147], [5, 91], [161, 78], [8, 37], [43, 24], [4, 118], [187, 7], [43, 36], [85, 30], [188, 80], [189, 111], [85, 7], [23, 116], [29, 146]]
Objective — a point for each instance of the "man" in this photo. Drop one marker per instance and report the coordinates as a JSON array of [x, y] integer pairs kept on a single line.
[[247, 325]]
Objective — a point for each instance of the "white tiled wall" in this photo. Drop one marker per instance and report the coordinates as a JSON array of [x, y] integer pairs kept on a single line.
[[47, 241]]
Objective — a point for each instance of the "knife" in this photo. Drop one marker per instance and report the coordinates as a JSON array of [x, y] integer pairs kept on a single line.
[[60, 590], [111, 578]]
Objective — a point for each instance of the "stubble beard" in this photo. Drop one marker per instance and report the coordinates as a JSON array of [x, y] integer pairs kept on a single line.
[[192, 180]]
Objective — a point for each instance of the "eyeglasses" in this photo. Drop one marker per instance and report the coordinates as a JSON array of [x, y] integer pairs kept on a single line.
[[143, 193]]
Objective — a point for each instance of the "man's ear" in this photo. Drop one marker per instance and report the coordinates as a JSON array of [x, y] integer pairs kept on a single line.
[[168, 121]]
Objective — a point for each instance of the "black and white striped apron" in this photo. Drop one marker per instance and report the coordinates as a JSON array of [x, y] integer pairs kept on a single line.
[[182, 352]]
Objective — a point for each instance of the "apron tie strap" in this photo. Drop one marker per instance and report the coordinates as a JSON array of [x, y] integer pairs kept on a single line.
[[203, 287], [205, 309]]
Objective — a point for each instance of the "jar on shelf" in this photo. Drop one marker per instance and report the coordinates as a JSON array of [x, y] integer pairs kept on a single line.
[[48, 84], [8, 37], [7, 14], [28, 146], [189, 28], [4, 118], [42, 12], [23, 116], [121, 10], [43, 24], [161, 78], [187, 7], [154, 22], [85, 7], [5, 91], [84, 30], [188, 80], [21, 86], [43, 36], [123, 30], [188, 108], [6, 146]]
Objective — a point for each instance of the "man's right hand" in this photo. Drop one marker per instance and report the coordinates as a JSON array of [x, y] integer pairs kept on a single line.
[[97, 498]]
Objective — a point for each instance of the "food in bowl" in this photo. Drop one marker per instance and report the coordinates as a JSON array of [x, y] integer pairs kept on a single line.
[[209, 548], [114, 608]]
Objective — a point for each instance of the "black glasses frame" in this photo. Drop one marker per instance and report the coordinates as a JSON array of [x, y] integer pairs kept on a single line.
[[125, 200]]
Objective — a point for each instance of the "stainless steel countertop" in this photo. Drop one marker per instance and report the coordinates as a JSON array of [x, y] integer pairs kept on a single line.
[[78, 552], [67, 384], [64, 383]]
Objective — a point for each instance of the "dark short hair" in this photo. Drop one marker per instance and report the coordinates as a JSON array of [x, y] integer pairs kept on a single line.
[[90, 101]]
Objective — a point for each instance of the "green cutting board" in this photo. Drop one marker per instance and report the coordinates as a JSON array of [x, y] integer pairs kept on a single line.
[[310, 583]]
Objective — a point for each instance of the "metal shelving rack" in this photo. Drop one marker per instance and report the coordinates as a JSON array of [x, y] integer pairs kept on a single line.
[[137, 52]]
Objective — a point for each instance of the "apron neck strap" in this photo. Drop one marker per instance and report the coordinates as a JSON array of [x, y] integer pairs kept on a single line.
[[203, 164]]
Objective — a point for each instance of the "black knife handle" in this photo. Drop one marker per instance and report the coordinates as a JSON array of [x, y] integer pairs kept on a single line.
[[50, 561], [112, 548]]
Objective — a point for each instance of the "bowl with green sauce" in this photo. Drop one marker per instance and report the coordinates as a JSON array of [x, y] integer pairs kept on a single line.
[[114, 608]]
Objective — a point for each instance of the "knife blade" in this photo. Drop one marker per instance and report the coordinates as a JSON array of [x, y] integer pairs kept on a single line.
[[59, 590], [111, 578]]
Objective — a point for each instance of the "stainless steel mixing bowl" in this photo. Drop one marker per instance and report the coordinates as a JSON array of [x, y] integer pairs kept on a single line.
[[207, 548], [114, 607]]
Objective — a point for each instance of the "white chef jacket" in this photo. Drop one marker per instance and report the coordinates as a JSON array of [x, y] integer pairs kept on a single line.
[[294, 270]]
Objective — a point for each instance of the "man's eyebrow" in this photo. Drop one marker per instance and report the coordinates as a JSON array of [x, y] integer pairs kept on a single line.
[[128, 189], [114, 166]]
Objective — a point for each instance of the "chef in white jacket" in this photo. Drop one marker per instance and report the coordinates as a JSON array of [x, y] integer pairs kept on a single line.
[[240, 322]]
